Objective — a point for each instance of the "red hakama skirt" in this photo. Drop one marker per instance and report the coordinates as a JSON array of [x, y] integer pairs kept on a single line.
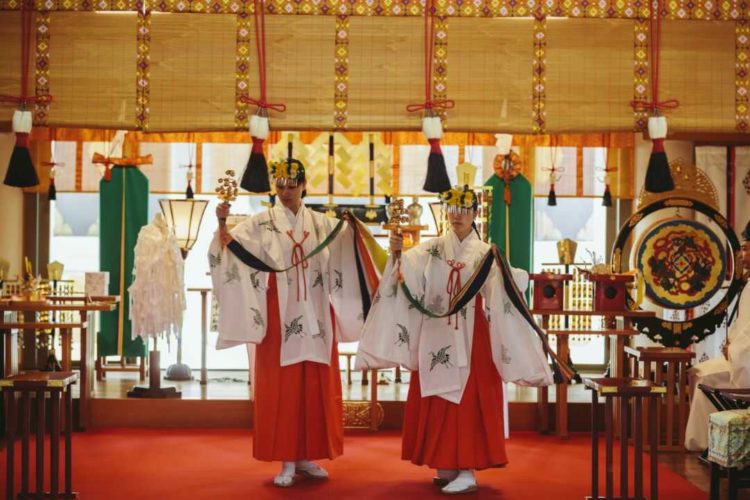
[[467, 435], [297, 412]]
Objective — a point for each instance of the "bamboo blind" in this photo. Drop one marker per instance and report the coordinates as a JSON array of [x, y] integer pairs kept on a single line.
[[697, 68], [192, 72], [589, 75], [10, 60], [299, 69], [489, 74], [92, 69], [386, 73]]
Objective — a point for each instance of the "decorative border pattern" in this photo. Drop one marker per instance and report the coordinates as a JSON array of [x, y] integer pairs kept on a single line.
[[539, 64], [440, 63], [242, 68], [742, 74], [41, 71], [726, 10], [641, 74], [341, 74], [143, 69]]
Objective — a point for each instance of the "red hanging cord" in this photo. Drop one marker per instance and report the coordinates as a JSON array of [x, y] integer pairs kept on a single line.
[[259, 14], [429, 55], [655, 105], [24, 100]]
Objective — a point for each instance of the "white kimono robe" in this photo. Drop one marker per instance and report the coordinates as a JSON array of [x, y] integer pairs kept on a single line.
[[719, 372], [397, 333], [306, 292]]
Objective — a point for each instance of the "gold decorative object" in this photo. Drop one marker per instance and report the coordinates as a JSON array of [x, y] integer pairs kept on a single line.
[[690, 183], [466, 174], [566, 251], [358, 414], [227, 190], [414, 211]]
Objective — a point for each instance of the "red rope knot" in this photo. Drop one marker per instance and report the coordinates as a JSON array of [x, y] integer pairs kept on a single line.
[[655, 107], [437, 104], [454, 284], [263, 104], [298, 259]]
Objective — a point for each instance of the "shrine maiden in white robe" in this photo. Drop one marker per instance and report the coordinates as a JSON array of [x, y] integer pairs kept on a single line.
[[306, 292], [720, 372], [397, 333]]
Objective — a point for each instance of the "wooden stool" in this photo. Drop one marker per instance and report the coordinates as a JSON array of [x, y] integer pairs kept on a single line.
[[626, 389], [39, 383], [648, 363]]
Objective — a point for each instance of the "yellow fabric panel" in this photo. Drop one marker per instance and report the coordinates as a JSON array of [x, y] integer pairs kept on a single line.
[[192, 72], [92, 69], [299, 69], [489, 74], [386, 72], [697, 69], [10, 61], [589, 75]]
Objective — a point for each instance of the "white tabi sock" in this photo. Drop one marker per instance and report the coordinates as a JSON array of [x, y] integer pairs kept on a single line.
[[464, 483], [310, 469], [286, 477]]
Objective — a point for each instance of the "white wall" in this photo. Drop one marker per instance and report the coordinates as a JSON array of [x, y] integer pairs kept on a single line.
[[11, 211]]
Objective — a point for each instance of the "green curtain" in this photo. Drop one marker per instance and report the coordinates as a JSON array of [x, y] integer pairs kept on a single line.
[[123, 200], [521, 217]]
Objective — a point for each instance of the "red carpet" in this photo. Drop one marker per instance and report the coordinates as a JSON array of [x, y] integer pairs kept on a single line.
[[217, 464]]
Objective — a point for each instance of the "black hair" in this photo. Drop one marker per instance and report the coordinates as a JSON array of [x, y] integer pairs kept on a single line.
[[746, 232]]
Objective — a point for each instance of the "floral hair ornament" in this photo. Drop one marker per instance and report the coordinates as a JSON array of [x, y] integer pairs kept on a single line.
[[459, 200], [287, 172]]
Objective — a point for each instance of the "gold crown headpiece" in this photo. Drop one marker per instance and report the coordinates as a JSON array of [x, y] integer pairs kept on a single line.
[[287, 172], [459, 200]]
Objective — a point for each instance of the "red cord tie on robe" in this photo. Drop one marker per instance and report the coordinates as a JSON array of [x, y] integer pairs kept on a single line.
[[454, 284], [298, 259]]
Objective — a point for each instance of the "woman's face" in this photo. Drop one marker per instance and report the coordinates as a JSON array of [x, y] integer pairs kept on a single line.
[[746, 254], [290, 196], [461, 221]]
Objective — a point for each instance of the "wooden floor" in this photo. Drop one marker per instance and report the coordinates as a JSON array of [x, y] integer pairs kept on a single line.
[[234, 385]]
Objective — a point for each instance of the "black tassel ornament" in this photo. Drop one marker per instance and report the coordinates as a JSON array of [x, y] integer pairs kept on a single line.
[[552, 196], [255, 177], [607, 197], [658, 175], [21, 171], [437, 180]]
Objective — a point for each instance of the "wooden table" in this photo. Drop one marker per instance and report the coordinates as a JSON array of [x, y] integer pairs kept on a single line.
[[617, 357], [85, 310], [624, 389], [57, 384], [647, 363]]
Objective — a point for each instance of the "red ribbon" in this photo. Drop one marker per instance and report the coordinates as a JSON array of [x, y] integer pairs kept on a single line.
[[298, 259], [22, 140], [454, 284], [435, 146], [655, 105], [429, 57], [259, 13]]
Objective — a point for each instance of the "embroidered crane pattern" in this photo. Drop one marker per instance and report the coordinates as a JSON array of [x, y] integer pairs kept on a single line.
[[255, 280], [338, 281], [232, 274], [441, 358], [257, 317], [318, 281], [403, 335], [269, 225], [293, 328], [214, 260], [434, 251]]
